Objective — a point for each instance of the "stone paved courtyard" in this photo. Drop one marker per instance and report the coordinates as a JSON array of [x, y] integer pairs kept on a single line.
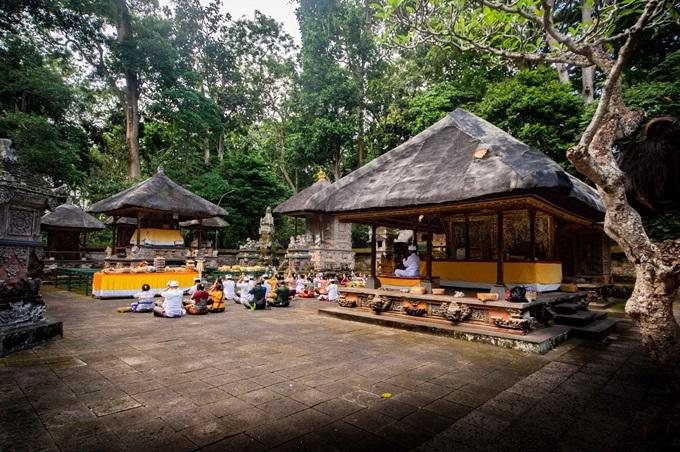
[[289, 379]]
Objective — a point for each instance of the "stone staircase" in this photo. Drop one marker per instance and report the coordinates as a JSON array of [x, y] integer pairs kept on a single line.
[[585, 324]]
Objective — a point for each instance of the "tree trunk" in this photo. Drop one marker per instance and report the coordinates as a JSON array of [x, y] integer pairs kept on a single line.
[[587, 73], [220, 146], [124, 32], [657, 266], [360, 138], [562, 73], [206, 151], [281, 141]]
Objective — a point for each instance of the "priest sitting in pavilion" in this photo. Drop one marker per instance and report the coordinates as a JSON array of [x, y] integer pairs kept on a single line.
[[411, 264]]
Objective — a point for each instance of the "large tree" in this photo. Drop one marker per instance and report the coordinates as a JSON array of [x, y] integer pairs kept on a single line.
[[528, 32]]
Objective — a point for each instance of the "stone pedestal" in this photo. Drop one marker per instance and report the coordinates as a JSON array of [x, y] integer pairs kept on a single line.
[[23, 200]]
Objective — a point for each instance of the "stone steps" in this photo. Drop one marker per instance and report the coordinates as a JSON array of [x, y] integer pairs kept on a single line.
[[579, 318], [568, 308], [598, 329]]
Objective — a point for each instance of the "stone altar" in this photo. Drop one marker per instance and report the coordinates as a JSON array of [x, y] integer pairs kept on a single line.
[[23, 200]]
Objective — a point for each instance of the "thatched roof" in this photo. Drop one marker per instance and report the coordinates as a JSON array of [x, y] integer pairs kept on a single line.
[[68, 216], [208, 223], [127, 221], [446, 164], [295, 205], [160, 194]]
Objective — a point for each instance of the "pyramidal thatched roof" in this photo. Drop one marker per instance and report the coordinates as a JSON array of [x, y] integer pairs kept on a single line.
[[208, 223], [446, 163], [69, 216], [158, 193], [295, 205]]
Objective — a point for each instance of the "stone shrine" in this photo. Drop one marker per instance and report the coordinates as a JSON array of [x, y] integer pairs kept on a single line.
[[259, 252], [327, 241], [23, 200]]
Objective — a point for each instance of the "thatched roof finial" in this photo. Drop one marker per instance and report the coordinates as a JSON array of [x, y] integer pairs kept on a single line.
[[321, 175], [160, 169]]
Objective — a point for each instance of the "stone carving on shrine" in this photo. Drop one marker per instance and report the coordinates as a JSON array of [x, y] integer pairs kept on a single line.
[[23, 200]]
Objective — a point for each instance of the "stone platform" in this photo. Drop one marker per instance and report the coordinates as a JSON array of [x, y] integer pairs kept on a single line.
[[29, 335], [538, 341]]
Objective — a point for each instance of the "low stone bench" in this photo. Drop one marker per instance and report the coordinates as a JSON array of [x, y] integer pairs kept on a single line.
[[397, 282]]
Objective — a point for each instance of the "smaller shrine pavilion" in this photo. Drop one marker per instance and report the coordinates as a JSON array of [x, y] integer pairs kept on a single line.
[[214, 224], [155, 253], [67, 227]]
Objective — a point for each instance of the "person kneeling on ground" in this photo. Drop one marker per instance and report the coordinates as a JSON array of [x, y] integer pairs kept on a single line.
[[144, 301], [282, 299], [230, 290], [217, 297], [331, 292], [258, 301], [172, 304], [199, 301]]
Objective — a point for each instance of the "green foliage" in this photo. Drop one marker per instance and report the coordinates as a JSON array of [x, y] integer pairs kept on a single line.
[[360, 236], [658, 89], [254, 187], [663, 227], [537, 109]]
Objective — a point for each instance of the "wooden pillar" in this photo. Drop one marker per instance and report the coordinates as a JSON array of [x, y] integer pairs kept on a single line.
[[114, 234], [139, 228], [296, 226], [200, 233], [500, 250], [532, 234], [373, 251], [428, 262], [467, 237]]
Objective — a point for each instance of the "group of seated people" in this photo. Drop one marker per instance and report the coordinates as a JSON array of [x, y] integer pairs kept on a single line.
[[253, 293]]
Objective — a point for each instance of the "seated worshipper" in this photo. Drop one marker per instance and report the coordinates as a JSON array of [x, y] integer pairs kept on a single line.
[[199, 301], [332, 292], [144, 301], [282, 299], [217, 281], [322, 288], [259, 294], [300, 284], [273, 284], [411, 264], [345, 280], [217, 297], [266, 285], [172, 304], [230, 290], [194, 288]]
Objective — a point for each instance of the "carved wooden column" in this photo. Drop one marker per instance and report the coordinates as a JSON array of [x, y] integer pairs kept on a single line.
[[500, 250]]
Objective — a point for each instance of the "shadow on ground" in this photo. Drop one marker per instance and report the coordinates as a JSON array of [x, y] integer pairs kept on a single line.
[[289, 379]]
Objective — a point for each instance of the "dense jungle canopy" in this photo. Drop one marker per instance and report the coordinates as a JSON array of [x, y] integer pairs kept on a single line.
[[96, 94]]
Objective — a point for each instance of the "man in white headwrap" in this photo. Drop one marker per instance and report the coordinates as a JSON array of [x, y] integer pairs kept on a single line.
[[411, 264], [172, 305]]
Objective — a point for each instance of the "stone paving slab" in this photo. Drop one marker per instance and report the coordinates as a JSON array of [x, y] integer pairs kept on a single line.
[[289, 379]]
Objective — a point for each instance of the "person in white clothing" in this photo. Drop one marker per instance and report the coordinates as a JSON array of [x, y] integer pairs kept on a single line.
[[412, 264], [194, 288], [230, 290], [172, 305], [266, 285], [331, 291]]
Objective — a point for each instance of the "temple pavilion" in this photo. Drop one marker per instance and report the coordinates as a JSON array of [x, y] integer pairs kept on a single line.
[[158, 205], [506, 214], [67, 227]]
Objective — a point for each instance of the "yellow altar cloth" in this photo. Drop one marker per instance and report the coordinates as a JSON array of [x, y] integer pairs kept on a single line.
[[113, 285], [158, 237], [542, 276]]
